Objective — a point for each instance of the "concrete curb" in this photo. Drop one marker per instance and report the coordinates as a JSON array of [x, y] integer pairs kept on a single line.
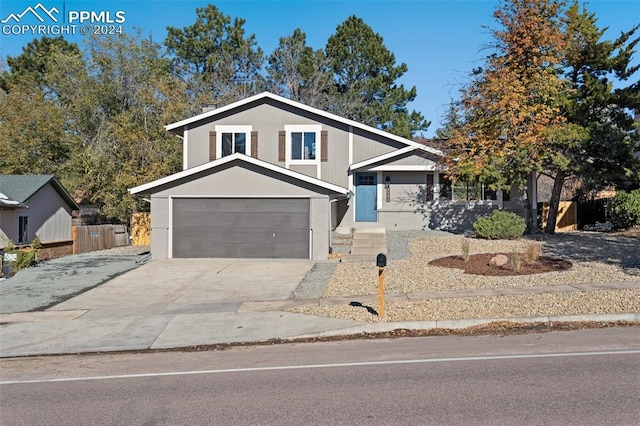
[[354, 330], [383, 327]]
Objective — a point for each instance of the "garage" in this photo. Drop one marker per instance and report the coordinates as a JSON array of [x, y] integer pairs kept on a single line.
[[241, 227]]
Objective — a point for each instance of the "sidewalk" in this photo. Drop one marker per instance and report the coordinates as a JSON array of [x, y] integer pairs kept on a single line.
[[162, 324]]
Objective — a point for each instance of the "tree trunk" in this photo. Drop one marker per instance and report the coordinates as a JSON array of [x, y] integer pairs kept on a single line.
[[554, 203], [528, 216]]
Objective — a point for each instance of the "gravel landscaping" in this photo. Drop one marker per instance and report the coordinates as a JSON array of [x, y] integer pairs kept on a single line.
[[596, 258]]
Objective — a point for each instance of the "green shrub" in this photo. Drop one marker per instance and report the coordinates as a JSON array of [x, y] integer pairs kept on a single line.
[[500, 225], [25, 257], [625, 209]]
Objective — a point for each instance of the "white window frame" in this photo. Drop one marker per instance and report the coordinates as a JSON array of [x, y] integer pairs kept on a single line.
[[233, 129], [304, 128]]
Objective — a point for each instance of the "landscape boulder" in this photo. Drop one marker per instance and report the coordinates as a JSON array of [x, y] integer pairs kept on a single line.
[[499, 260]]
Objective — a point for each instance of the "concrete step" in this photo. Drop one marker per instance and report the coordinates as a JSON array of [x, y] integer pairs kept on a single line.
[[369, 243], [369, 231], [369, 236], [369, 251], [353, 258], [374, 240], [342, 238]]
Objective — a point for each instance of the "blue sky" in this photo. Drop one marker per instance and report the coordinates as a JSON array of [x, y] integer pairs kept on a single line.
[[440, 41]]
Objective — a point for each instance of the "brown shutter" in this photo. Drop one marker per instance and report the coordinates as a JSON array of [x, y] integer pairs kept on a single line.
[[324, 145], [254, 144], [282, 137], [212, 146]]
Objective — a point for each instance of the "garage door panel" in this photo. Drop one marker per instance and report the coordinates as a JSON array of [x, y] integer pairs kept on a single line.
[[256, 221], [261, 228], [258, 205]]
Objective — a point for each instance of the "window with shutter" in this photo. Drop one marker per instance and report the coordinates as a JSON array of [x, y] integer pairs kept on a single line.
[[303, 143], [232, 139]]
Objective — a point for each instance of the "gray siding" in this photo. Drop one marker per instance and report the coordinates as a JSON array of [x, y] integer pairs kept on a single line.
[[412, 160], [368, 145], [49, 217], [8, 226], [270, 117], [51, 213], [320, 228], [243, 180], [406, 190], [159, 240]]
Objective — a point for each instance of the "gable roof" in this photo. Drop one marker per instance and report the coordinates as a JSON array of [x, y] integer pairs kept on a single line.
[[178, 127], [388, 156], [143, 189], [22, 187]]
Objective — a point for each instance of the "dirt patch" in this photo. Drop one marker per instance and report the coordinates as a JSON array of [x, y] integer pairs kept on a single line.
[[478, 264], [631, 232]]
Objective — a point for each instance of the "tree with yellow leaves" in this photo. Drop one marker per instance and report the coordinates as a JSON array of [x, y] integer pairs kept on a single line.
[[511, 109]]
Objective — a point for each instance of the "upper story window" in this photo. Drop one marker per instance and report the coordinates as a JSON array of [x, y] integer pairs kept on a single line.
[[303, 143], [233, 139], [234, 142]]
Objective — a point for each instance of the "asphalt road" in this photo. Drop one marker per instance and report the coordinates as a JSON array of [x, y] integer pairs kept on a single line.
[[579, 377]]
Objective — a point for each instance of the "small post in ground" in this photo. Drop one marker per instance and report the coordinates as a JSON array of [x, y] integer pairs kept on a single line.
[[381, 261]]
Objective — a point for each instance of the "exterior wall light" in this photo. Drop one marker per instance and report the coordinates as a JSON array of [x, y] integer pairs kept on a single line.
[[387, 185]]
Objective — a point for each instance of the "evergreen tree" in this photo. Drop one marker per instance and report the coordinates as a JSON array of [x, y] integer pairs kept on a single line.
[[30, 67], [451, 122], [214, 56], [604, 153], [295, 71], [34, 137], [365, 77]]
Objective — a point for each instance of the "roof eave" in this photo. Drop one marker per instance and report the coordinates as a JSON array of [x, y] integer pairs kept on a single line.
[[391, 155], [179, 126]]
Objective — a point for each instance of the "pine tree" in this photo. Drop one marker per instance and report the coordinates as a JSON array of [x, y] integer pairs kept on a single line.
[[298, 72], [365, 79], [214, 56], [602, 153]]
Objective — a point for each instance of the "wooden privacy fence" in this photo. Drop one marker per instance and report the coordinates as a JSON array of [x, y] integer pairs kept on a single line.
[[141, 229], [567, 219], [87, 238]]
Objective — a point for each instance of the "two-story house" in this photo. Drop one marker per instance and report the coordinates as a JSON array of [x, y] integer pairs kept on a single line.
[[270, 177]]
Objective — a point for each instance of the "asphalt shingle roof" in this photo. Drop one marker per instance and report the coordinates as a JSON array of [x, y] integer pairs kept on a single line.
[[21, 187]]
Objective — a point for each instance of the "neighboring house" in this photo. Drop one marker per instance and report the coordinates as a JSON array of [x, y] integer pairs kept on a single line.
[[270, 177], [33, 205]]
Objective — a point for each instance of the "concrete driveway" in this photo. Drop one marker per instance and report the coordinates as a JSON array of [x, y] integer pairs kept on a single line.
[[168, 304], [192, 285]]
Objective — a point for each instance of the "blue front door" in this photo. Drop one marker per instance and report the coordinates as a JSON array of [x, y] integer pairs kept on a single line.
[[366, 197]]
